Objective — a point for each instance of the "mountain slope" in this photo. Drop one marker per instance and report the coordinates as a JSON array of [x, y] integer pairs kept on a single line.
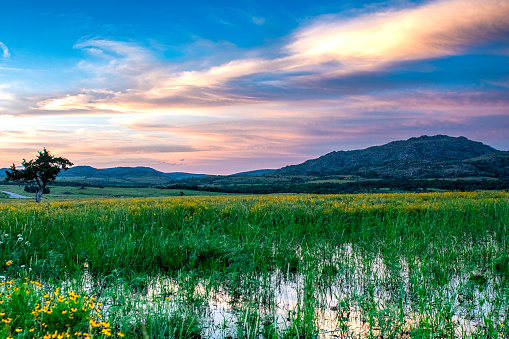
[[142, 176], [423, 157]]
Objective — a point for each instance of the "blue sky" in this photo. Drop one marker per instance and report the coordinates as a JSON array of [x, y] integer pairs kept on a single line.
[[228, 86]]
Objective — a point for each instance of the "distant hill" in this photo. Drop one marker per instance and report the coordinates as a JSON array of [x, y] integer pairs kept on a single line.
[[437, 156], [256, 172], [130, 176]]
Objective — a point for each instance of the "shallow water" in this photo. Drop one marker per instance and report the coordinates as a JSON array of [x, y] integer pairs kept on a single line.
[[362, 300]]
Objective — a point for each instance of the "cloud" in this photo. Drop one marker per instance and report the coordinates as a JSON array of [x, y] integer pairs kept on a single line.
[[432, 30], [331, 47], [5, 50]]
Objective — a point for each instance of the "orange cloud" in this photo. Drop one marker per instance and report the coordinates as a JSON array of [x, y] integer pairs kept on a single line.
[[438, 28]]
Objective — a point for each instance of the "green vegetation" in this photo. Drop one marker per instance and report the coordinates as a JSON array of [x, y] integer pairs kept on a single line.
[[40, 172], [83, 192], [275, 183], [429, 265]]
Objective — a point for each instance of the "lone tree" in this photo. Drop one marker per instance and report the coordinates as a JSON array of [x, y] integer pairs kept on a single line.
[[42, 170]]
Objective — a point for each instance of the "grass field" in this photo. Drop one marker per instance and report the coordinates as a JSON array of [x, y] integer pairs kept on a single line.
[[430, 265], [76, 192]]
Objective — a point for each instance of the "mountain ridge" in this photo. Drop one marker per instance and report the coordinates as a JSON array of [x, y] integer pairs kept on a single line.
[[419, 157]]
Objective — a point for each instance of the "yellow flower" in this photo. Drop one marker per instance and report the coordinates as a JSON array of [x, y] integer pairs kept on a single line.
[[47, 336], [9, 263], [19, 329], [106, 331], [120, 334]]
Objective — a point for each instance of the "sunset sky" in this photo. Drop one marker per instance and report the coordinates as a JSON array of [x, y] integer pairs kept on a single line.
[[220, 87]]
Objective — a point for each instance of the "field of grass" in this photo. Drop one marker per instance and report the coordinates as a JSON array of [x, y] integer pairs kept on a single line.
[[429, 265], [76, 192]]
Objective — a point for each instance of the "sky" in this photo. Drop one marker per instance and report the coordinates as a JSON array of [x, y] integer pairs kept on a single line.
[[220, 87]]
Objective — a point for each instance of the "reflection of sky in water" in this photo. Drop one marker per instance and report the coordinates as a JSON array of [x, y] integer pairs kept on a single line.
[[281, 293]]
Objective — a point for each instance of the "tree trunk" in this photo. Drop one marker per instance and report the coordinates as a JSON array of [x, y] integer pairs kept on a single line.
[[38, 195]]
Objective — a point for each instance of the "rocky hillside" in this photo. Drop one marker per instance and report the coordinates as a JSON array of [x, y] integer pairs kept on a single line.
[[437, 156]]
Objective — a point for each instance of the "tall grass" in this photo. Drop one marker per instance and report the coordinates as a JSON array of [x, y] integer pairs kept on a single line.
[[421, 265]]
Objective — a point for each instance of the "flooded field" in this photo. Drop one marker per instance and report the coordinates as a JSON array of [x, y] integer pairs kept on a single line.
[[353, 266]]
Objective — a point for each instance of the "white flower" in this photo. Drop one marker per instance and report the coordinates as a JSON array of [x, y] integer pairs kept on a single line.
[[6, 235], [22, 266], [27, 242], [20, 235]]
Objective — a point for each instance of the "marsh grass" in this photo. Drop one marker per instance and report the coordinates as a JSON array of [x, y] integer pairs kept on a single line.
[[431, 265]]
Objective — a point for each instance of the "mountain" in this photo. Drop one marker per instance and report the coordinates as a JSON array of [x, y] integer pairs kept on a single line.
[[143, 176], [438, 156], [256, 172]]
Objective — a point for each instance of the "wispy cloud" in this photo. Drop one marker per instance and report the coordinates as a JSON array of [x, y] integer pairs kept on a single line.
[[438, 28], [5, 50]]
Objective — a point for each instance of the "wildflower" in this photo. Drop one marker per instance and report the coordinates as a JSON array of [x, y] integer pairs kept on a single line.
[[106, 331], [22, 266], [31, 330], [9, 263], [19, 329], [120, 334], [47, 336]]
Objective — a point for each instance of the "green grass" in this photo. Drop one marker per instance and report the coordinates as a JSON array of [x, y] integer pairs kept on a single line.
[[364, 266], [75, 192]]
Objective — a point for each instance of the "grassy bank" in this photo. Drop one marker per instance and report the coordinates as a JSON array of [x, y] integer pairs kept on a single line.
[[428, 265]]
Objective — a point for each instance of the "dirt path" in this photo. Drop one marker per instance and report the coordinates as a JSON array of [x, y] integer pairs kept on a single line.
[[17, 196]]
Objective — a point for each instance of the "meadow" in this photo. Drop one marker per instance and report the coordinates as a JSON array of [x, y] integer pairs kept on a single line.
[[428, 265], [59, 193]]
